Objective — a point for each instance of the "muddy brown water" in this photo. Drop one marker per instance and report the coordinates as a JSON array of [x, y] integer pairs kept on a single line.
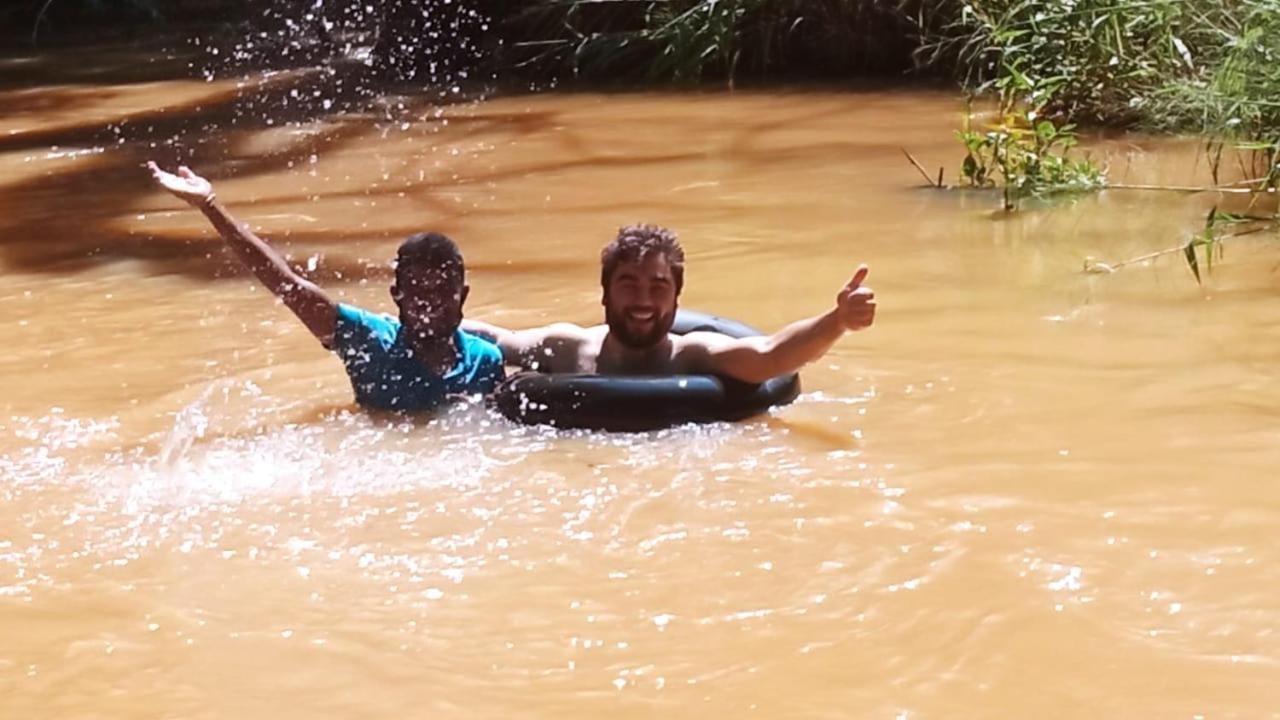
[[1027, 491]]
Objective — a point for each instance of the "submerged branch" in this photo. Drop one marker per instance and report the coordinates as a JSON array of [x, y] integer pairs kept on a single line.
[[1183, 188], [923, 172], [1094, 267]]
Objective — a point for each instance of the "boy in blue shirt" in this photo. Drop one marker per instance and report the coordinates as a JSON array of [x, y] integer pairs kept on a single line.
[[411, 363]]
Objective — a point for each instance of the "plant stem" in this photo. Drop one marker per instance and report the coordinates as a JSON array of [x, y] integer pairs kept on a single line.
[[923, 173], [1180, 188], [1180, 248]]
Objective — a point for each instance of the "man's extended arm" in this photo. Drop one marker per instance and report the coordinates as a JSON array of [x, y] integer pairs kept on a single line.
[[786, 351], [311, 304], [546, 349]]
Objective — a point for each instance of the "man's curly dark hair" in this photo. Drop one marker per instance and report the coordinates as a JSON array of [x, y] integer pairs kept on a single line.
[[636, 242]]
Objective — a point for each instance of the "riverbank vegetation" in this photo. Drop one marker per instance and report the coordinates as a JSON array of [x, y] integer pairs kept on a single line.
[[1162, 63], [1210, 67], [1199, 65]]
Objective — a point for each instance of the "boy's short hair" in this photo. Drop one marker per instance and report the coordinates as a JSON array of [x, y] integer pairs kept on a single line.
[[434, 250]]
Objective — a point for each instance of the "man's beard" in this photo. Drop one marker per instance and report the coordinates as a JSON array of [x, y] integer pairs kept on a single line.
[[617, 322]]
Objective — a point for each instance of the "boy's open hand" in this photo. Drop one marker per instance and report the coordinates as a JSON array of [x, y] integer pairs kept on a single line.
[[186, 185]]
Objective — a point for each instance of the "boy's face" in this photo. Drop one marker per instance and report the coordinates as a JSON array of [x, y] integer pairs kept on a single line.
[[430, 299]]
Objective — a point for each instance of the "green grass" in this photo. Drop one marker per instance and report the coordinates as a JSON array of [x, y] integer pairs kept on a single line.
[[701, 40], [1207, 66]]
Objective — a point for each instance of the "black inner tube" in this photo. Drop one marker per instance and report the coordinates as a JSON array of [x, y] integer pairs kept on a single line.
[[630, 403]]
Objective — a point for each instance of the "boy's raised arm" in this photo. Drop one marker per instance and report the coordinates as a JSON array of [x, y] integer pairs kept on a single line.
[[308, 301]]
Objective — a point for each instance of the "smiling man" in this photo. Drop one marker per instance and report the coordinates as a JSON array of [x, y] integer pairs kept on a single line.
[[641, 275]]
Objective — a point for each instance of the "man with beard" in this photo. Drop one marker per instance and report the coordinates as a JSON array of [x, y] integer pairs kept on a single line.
[[642, 274]]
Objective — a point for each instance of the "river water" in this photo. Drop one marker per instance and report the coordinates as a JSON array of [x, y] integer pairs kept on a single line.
[[1027, 491]]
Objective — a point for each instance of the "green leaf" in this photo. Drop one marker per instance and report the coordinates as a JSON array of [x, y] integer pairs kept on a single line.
[[1190, 253]]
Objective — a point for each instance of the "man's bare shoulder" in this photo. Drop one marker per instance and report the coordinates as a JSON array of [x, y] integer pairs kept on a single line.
[[569, 332], [701, 341], [692, 352]]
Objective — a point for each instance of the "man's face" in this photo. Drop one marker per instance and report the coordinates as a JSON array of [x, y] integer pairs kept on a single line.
[[640, 301], [430, 300]]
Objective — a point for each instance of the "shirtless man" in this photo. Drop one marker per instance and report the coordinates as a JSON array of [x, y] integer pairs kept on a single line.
[[642, 273]]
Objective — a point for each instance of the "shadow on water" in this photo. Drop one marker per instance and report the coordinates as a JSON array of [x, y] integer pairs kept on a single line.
[[70, 217], [96, 65], [74, 215]]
